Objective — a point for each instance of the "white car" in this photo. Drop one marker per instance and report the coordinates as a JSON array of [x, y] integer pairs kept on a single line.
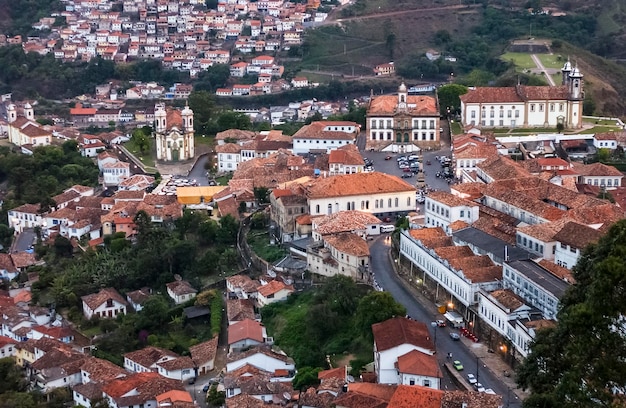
[[490, 391], [479, 387], [414, 157], [471, 378]]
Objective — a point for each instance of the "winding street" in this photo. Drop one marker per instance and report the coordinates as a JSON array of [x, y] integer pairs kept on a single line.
[[473, 360]]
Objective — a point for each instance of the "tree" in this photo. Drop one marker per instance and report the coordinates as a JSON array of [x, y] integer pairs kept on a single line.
[[261, 194], [63, 247], [203, 104], [141, 139], [376, 307], [449, 97], [216, 398], [154, 313], [11, 378], [306, 377], [227, 233], [233, 120], [581, 361]]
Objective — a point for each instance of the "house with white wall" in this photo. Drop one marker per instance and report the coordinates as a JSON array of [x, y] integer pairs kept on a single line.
[[541, 284], [606, 140], [274, 291], [380, 194], [443, 208], [25, 216], [165, 362], [342, 253], [601, 175], [181, 291], [324, 136], [106, 304], [394, 338], [417, 368], [246, 333], [261, 357], [570, 242], [456, 269]]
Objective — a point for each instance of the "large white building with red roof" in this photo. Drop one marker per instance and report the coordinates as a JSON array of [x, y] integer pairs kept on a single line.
[[402, 122], [527, 106], [23, 130]]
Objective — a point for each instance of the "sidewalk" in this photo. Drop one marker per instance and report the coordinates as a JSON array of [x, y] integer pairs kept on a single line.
[[489, 361]]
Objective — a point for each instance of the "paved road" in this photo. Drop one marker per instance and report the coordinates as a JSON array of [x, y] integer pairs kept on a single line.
[[198, 171], [24, 240], [408, 11], [540, 66], [389, 281]]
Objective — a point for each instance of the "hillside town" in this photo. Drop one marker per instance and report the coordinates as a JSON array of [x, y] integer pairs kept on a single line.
[[183, 36], [485, 229]]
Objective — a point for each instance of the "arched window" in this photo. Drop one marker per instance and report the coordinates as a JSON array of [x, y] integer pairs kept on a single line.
[[317, 209], [397, 201]]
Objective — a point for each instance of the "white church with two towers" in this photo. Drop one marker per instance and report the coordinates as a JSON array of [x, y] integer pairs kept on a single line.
[[174, 134], [525, 106]]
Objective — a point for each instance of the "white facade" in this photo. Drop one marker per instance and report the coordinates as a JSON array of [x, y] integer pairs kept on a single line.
[[305, 144], [608, 182], [114, 173], [498, 316], [262, 361], [566, 255], [24, 217], [385, 362], [278, 296], [424, 381], [451, 280], [440, 214], [344, 263], [377, 204], [174, 141], [109, 309], [537, 286]]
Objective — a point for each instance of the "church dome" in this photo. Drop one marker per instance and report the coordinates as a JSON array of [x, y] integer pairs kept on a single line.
[[402, 88], [575, 73], [28, 106], [187, 111]]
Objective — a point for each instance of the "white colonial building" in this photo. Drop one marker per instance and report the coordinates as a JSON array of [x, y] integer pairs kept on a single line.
[[174, 133], [107, 303], [377, 193], [395, 338], [455, 268], [527, 106], [324, 136], [403, 122], [442, 209]]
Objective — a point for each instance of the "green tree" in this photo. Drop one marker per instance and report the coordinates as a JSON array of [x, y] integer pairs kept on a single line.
[[262, 194], [62, 247], [306, 377], [233, 120], [203, 104], [215, 398], [376, 307], [154, 313], [581, 361], [141, 140], [11, 377], [449, 97], [227, 233]]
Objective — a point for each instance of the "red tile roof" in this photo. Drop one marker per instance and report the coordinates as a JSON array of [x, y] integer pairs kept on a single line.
[[274, 287], [245, 330], [400, 330], [356, 184], [418, 363], [96, 299], [411, 396]]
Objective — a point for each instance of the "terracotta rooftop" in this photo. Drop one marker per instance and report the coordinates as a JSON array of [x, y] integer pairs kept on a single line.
[[246, 329], [557, 270], [239, 309], [417, 363], [348, 154], [508, 299], [181, 287], [273, 287], [96, 299], [139, 388], [517, 94], [456, 399], [381, 391], [348, 243], [344, 221], [598, 170], [149, 355], [411, 396], [417, 105], [100, 370], [339, 372], [355, 185], [316, 131], [400, 330], [449, 200], [204, 352]]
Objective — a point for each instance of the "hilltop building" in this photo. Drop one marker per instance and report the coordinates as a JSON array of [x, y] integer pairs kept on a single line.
[[527, 106]]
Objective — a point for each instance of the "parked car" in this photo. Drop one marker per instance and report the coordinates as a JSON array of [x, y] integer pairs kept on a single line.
[[407, 170], [191, 381], [490, 391], [455, 336], [401, 158], [420, 199], [206, 388], [407, 175], [457, 365], [414, 157], [441, 323], [479, 387], [471, 378], [387, 157]]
